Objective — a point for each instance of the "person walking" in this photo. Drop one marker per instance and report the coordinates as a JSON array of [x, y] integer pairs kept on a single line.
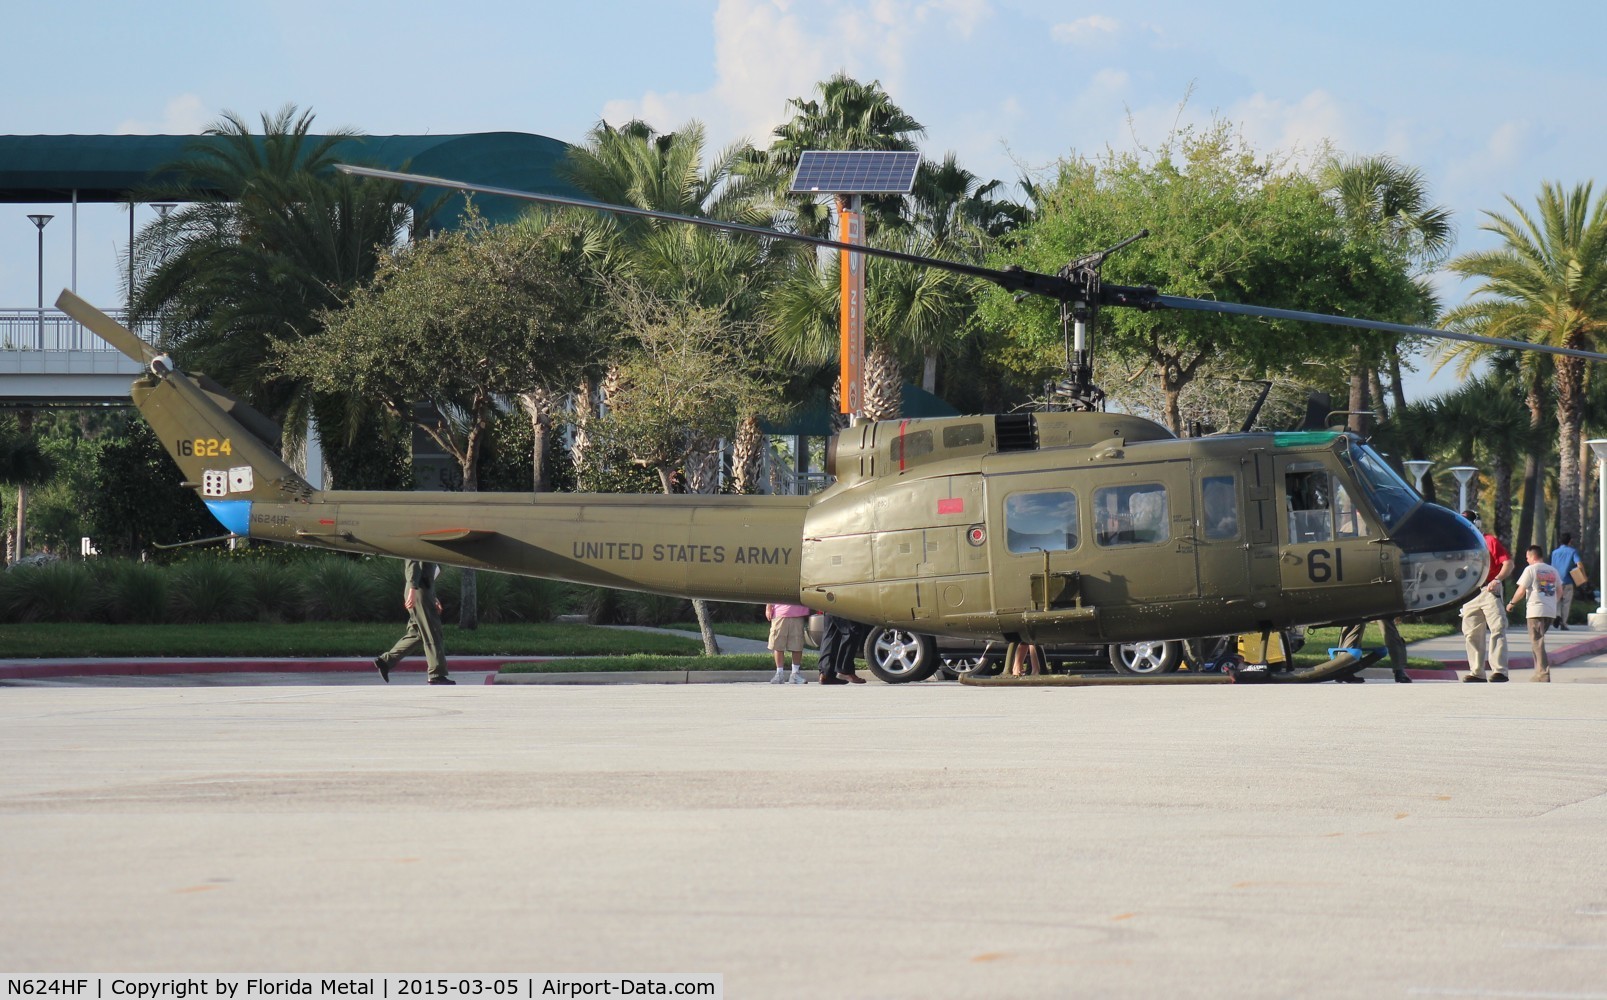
[[1564, 559], [787, 636], [1351, 639], [423, 624], [1540, 584], [1484, 617]]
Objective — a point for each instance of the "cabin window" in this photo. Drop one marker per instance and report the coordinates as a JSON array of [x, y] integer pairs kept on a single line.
[[1131, 515], [1219, 500], [907, 446], [1041, 522], [962, 435], [1320, 508]]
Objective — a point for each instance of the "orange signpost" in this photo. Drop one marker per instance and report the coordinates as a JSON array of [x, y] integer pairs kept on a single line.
[[851, 398]]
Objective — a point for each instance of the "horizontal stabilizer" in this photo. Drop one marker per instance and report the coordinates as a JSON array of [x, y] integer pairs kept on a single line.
[[445, 535]]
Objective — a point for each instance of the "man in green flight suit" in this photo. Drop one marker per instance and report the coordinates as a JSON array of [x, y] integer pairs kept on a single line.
[[423, 625]]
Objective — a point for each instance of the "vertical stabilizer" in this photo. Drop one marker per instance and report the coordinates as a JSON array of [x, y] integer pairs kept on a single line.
[[230, 462]]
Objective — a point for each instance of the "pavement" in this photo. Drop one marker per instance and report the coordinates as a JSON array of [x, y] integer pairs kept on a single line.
[[930, 840]]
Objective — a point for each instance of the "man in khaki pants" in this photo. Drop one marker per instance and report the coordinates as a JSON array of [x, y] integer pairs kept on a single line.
[[1541, 584], [1484, 620]]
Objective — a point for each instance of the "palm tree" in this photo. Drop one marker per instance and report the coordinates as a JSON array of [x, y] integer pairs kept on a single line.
[[269, 239], [693, 267], [1381, 199], [1547, 282]]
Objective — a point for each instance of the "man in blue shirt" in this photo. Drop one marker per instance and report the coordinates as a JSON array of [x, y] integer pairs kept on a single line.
[[1563, 559]]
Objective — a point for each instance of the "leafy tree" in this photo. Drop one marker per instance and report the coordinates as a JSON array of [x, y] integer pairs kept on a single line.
[[636, 165], [1225, 224], [685, 379], [22, 463], [459, 322], [1385, 202], [140, 498], [1547, 282], [269, 239]]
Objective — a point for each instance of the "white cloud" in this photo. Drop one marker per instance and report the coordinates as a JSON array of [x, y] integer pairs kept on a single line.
[[767, 51], [1306, 128], [1085, 29], [183, 115]]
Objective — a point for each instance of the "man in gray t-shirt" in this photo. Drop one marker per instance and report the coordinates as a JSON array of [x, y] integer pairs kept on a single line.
[[1540, 585]]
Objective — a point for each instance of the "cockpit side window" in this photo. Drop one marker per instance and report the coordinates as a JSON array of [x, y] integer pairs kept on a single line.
[[1041, 522], [1131, 515], [1219, 499], [1320, 508]]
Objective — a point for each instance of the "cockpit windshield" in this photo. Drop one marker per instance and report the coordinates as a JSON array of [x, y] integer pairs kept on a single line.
[[1388, 492]]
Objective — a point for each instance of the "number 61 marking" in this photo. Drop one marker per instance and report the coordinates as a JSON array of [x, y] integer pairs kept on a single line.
[[1320, 570]]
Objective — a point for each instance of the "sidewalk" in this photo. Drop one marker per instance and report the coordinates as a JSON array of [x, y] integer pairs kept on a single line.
[[1577, 645]]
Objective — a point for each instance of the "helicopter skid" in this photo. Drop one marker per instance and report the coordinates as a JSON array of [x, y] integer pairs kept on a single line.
[[1342, 665]]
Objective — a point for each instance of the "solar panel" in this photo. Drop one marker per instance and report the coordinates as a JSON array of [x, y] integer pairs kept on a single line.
[[855, 172]]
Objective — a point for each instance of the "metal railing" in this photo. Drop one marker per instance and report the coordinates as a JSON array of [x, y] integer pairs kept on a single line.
[[53, 330]]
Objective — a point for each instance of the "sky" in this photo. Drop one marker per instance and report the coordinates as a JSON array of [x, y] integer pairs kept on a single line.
[[1489, 100]]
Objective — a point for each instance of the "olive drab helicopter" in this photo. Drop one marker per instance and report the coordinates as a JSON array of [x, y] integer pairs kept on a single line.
[[1076, 526]]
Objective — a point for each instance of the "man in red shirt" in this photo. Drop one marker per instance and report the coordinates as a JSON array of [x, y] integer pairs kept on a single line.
[[1484, 618]]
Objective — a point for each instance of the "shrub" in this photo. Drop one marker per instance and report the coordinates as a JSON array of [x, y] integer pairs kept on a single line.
[[343, 590], [534, 600], [206, 590], [130, 591], [656, 609], [53, 592], [603, 606], [273, 590]]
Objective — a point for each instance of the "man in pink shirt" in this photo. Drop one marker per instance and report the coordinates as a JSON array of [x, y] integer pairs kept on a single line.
[[787, 636]]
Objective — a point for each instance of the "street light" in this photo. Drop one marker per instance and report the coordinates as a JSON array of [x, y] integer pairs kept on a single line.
[[1419, 468], [39, 222], [1598, 620], [162, 208], [1464, 474]]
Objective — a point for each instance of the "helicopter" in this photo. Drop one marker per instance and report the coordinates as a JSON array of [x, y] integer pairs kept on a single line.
[[1072, 525]]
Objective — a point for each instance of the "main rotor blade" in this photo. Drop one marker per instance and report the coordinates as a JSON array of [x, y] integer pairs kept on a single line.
[[1014, 279], [1239, 309]]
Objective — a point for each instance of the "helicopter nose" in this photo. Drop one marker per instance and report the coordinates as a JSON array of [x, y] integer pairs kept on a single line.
[[1443, 558]]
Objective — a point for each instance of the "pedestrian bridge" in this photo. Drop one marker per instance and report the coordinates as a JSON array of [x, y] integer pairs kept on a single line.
[[48, 359]]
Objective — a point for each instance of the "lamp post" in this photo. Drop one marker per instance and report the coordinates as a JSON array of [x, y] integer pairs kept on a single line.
[[1598, 619], [1419, 468], [39, 223], [162, 208], [1464, 474]]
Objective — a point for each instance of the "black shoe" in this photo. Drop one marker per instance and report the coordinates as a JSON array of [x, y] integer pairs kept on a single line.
[[1473, 679], [442, 680], [383, 668], [1498, 678], [832, 679], [1401, 678], [1562, 627], [852, 678]]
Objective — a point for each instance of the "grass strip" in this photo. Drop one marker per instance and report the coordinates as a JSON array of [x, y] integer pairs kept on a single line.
[[739, 630], [233, 639]]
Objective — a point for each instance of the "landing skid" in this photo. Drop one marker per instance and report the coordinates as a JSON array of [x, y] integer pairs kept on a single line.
[[1343, 666]]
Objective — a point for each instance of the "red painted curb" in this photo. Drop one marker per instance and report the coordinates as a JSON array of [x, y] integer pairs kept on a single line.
[[101, 668]]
